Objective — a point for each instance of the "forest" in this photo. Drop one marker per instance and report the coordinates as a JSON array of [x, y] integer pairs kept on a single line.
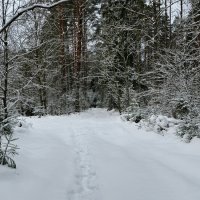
[[139, 57]]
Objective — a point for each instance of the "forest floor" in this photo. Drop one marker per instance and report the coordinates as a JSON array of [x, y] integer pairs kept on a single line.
[[97, 156]]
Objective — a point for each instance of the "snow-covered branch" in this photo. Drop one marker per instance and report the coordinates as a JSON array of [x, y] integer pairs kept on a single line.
[[24, 10]]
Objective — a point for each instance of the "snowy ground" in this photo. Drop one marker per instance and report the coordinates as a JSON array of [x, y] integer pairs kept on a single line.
[[97, 156]]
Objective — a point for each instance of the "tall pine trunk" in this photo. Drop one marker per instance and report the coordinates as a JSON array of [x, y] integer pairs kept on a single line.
[[62, 48], [78, 47]]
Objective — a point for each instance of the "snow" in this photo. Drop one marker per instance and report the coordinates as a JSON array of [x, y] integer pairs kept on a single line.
[[97, 156]]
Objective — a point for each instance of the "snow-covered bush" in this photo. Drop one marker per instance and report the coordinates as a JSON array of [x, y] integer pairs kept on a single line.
[[7, 148], [160, 124], [186, 129], [189, 129], [39, 111], [188, 112], [133, 113]]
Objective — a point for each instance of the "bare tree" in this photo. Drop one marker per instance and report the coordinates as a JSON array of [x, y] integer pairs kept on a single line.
[[11, 12]]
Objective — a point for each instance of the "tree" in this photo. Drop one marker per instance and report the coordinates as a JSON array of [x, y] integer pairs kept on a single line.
[[6, 118]]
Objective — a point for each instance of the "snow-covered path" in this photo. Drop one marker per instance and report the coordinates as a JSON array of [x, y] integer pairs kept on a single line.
[[97, 156]]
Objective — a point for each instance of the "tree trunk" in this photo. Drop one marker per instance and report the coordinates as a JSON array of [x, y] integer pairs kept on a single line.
[[181, 11], [62, 48], [166, 24], [170, 20], [5, 62], [78, 41]]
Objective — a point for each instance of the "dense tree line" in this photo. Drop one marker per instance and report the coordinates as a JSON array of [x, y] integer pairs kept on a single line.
[[132, 56]]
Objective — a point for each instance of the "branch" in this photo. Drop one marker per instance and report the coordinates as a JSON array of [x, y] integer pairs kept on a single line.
[[24, 10]]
